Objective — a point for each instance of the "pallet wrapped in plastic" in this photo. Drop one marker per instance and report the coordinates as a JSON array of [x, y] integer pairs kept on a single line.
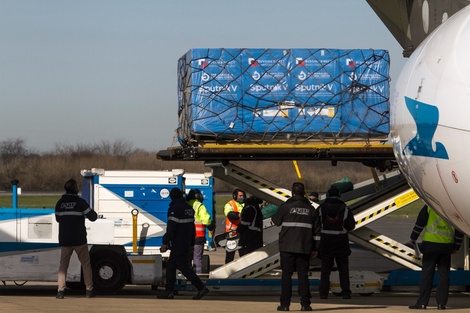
[[283, 95]]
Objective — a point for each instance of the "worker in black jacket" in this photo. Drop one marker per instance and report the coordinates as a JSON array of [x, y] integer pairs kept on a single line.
[[333, 222], [70, 213], [250, 228], [179, 238], [296, 245]]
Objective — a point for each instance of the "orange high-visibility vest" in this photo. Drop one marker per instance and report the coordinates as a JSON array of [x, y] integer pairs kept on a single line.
[[228, 224], [200, 230], [200, 227]]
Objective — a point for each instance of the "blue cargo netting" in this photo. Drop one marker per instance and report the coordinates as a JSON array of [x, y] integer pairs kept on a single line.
[[283, 95]]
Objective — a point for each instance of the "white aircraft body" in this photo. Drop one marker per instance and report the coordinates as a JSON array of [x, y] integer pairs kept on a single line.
[[430, 119]]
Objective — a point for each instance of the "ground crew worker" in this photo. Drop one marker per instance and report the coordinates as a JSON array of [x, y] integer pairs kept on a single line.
[[296, 245], [250, 228], [313, 196], [333, 222], [232, 211], [440, 240], [202, 219], [179, 238], [70, 212]]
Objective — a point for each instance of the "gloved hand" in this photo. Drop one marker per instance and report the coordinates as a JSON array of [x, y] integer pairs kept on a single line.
[[233, 216], [211, 226]]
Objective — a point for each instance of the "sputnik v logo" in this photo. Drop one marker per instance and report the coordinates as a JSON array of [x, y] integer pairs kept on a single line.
[[350, 63], [426, 118], [202, 63]]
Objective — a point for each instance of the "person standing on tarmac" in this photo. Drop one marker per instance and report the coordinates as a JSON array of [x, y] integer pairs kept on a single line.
[[232, 211], [70, 213], [179, 239], [440, 241], [251, 226], [296, 245], [333, 222], [202, 220], [313, 196]]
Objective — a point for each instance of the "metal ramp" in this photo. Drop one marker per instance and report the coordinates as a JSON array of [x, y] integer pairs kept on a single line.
[[251, 265], [249, 182], [395, 195]]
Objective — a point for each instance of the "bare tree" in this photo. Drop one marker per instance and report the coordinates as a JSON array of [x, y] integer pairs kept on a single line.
[[118, 148], [11, 148]]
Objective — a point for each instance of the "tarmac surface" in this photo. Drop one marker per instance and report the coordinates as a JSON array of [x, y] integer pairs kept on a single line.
[[37, 297], [40, 297]]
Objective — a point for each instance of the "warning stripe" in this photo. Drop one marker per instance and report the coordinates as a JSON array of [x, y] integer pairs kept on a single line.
[[400, 201], [279, 192], [394, 247], [374, 214], [261, 269]]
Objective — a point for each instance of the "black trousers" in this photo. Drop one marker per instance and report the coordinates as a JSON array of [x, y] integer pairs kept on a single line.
[[230, 256], [430, 261], [327, 262], [180, 261], [291, 262]]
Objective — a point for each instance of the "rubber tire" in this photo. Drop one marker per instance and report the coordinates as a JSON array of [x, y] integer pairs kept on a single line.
[[107, 262]]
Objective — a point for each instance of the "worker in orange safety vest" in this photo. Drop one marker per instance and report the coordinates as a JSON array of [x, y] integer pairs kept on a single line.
[[232, 211]]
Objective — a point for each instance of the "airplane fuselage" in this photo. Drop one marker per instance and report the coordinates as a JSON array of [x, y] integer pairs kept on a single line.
[[430, 120]]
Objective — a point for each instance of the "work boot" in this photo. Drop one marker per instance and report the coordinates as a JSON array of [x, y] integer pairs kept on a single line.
[[60, 294], [201, 293], [166, 295], [90, 294]]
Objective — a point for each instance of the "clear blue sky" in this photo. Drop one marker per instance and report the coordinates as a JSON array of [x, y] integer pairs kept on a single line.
[[84, 71]]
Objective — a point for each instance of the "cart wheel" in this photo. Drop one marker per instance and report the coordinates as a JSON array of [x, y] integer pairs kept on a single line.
[[110, 271]]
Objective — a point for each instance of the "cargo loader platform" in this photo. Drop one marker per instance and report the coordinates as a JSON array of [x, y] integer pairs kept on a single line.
[[376, 154]]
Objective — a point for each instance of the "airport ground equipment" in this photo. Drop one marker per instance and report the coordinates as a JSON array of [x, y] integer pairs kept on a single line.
[[392, 193], [123, 243], [369, 209]]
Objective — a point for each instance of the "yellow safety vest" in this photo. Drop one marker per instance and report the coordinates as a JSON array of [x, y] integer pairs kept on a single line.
[[201, 218], [437, 230]]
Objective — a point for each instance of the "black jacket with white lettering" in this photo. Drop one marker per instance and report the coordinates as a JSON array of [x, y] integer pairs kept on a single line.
[[296, 216], [70, 213], [180, 231]]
